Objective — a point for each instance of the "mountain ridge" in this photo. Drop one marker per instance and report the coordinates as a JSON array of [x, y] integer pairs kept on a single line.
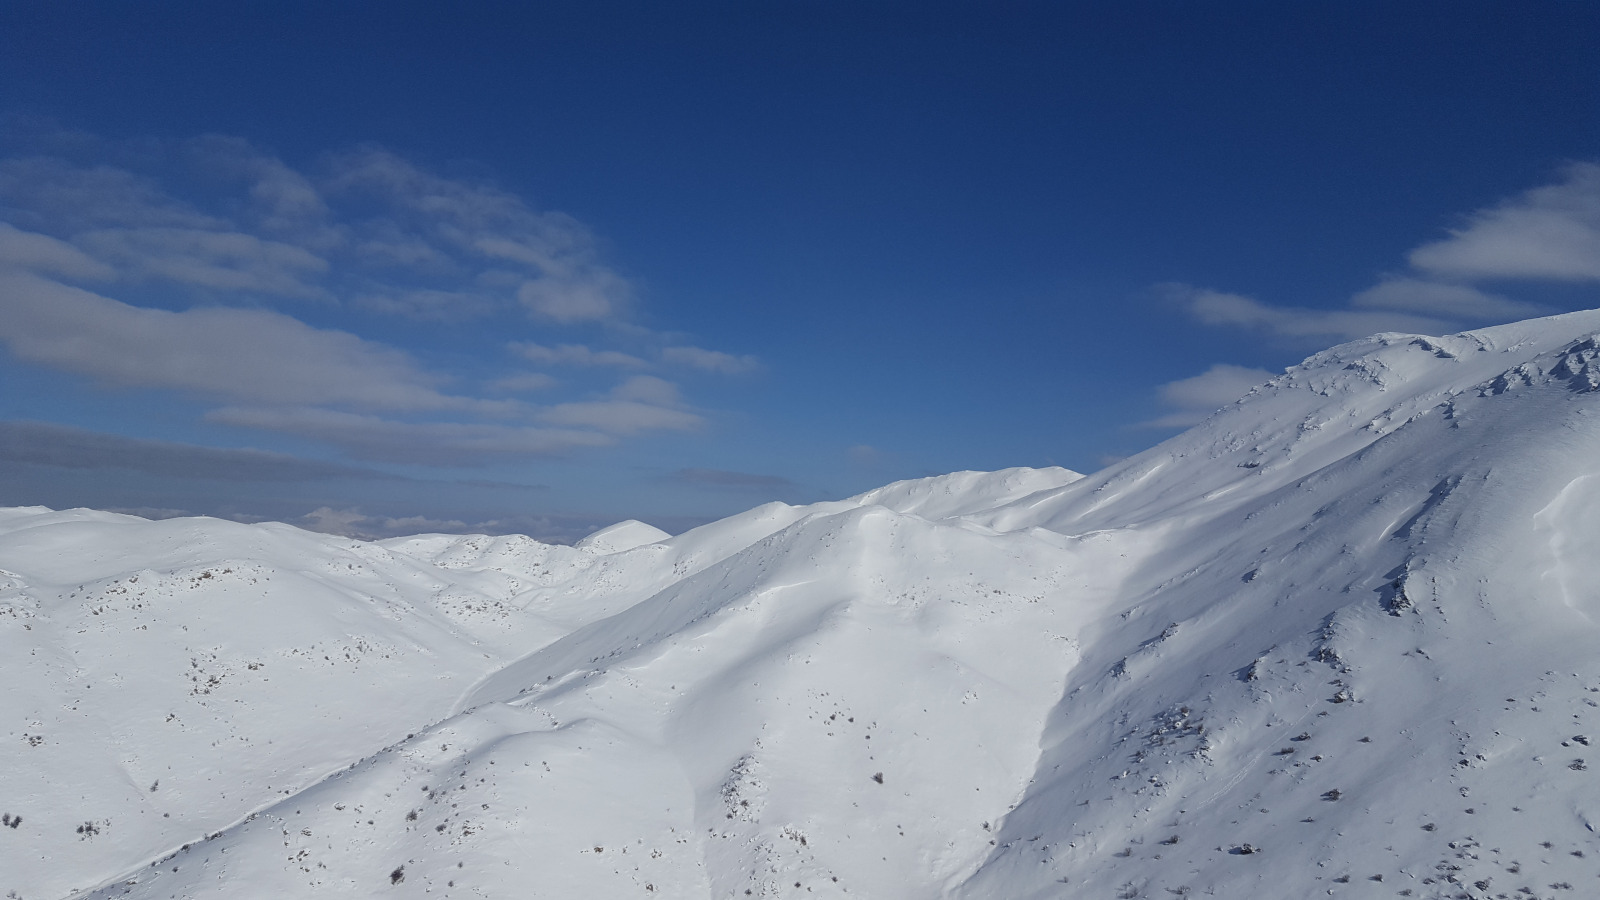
[[1335, 639]]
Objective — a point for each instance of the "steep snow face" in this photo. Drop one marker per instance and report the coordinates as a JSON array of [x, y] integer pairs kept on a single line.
[[1374, 672], [1336, 640]]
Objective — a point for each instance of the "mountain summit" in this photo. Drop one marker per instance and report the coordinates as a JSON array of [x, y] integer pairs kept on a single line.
[[1339, 639]]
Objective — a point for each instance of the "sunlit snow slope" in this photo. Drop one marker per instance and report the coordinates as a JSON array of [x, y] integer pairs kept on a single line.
[[1340, 639]]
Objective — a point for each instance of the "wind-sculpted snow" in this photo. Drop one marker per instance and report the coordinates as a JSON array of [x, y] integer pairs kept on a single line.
[[1336, 640]]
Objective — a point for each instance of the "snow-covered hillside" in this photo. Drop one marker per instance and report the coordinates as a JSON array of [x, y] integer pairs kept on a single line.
[[1340, 639]]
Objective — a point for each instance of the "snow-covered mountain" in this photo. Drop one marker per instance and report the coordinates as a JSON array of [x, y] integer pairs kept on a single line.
[[1340, 639]]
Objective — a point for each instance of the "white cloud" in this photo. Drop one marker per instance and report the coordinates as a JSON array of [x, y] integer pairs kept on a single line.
[[62, 446], [383, 246], [55, 196], [575, 355], [1216, 387], [1436, 298], [367, 227], [710, 360], [621, 417], [740, 481], [648, 389], [215, 260], [46, 255], [1193, 399], [378, 439], [562, 279], [239, 228], [1550, 232], [642, 403], [526, 382], [129, 222], [282, 200], [571, 300], [1220, 308], [240, 354], [470, 208], [427, 305], [287, 200]]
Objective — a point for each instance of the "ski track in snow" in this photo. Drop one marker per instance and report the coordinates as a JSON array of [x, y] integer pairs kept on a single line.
[[1337, 640]]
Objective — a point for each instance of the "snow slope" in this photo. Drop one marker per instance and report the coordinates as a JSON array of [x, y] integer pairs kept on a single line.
[[1337, 640]]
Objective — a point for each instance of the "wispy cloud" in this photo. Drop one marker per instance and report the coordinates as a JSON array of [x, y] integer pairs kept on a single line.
[[55, 196], [42, 254], [710, 360], [641, 403], [1236, 310], [1435, 298], [575, 355], [428, 305], [366, 224], [227, 261], [554, 260], [234, 241], [43, 443], [380, 439], [566, 297], [282, 202], [1550, 232], [737, 481], [237, 354], [621, 417], [648, 389], [524, 383], [1193, 399]]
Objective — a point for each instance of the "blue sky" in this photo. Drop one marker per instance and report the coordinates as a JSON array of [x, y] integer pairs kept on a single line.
[[382, 268]]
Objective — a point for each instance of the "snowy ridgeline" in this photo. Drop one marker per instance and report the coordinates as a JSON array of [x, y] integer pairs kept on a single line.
[[1337, 640]]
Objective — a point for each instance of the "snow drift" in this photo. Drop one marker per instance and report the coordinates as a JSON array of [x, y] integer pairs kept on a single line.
[[1339, 639]]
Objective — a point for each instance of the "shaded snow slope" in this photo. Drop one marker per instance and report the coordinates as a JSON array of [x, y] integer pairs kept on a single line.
[[1378, 669], [1336, 640]]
